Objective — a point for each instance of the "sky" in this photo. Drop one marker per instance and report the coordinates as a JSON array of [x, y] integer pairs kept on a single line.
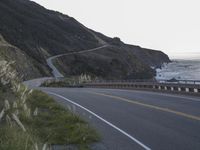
[[172, 26]]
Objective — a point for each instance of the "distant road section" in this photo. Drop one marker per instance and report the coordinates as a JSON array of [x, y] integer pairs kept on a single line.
[[35, 83], [56, 73]]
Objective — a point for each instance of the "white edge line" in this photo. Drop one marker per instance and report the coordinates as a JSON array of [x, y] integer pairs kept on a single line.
[[105, 121]]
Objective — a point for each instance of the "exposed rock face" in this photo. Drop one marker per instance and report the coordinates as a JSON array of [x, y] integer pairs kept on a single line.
[[36, 33]]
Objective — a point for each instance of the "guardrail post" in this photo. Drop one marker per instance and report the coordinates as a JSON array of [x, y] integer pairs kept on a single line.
[[187, 89], [195, 90], [179, 89], [172, 88]]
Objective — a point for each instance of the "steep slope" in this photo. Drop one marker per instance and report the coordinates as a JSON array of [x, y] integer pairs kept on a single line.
[[21, 62], [153, 58], [39, 33], [109, 63]]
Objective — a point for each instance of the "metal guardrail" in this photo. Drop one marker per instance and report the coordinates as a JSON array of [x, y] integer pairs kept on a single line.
[[196, 82], [193, 82], [172, 81], [171, 87], [182, 86]]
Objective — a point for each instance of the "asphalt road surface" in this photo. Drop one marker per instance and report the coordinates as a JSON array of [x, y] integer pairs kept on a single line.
[[136, 120]]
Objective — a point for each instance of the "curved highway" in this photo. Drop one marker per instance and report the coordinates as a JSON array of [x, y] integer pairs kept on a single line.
[[134, 120], [55, 72]]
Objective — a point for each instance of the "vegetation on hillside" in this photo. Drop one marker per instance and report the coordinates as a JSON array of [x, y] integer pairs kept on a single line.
[[107, 63], [31, 120], [68, 82], [24, 65]]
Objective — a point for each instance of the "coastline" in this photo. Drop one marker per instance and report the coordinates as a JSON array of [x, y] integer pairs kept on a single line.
[[180, 69]]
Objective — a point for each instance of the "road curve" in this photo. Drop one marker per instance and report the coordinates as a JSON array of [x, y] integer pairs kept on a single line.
[[55, 72], [134, 120]]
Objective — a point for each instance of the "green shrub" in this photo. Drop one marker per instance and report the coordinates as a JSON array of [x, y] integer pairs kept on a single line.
[[13, 138], [56, 125]]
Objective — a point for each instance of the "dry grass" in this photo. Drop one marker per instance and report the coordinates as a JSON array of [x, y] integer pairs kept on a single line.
[[31, 120]]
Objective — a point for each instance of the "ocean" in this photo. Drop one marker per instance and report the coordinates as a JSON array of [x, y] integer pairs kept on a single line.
[[180, 70]]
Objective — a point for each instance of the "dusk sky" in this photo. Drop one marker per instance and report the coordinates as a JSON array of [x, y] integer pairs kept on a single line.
[[172, 26]]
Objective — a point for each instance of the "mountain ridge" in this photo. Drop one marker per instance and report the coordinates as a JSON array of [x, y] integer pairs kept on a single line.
[[41, 33]]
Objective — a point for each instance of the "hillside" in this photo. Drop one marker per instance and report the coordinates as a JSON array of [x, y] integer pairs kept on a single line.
[[23, 64], [38, 33]]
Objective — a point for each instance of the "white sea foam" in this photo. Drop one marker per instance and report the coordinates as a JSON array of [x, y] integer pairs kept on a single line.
[[180, 69]]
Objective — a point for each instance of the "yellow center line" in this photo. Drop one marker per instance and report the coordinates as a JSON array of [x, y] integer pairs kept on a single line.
[[149, 106]]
